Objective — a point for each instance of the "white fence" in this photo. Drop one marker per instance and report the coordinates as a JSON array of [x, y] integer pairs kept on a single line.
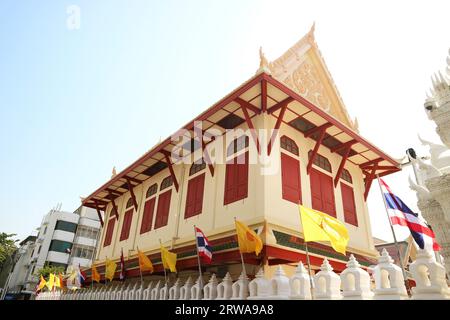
[[353, 283]]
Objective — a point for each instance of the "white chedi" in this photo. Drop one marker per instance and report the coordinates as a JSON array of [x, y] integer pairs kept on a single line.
[[174, 291], [300, 284], [240, 288], [389, 280], [279, 285], [210, 289], [429, 276], [355, 281], [224, 288], [196, 289], [327, 284], [259, 287], [185, 291]]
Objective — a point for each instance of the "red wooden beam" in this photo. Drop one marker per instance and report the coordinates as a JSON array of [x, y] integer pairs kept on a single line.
[[133, 179], [248, 105], [343, 145], [280, 104], [277, 126], [263, 96], [207, 158], [116, 212], [316, 148], [341, 166], [100, 202], [252, 128], [114, 192], [98, 212], [370, 163], [169, 164], [369, 180], [133, 197], [321, 129]]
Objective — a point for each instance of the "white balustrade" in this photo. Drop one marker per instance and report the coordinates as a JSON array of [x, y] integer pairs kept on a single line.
[[300, 284], [259, 287], [355, 281], [210, 290], [389, 281], [327, 283], [224, 288]]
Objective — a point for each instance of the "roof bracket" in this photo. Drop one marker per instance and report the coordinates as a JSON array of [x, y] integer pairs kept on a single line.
[[249, 122], [322, 131], [116, 212], [341, 166], [170, 165], [369, 180], [207, 158], [98, 212], [263, 96], [277, 126], [133, 197]]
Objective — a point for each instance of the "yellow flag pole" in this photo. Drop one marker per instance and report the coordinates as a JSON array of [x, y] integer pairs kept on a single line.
[[242, 256], [311, 285]]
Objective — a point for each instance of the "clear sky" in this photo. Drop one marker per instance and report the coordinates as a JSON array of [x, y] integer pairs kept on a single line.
[[75, 103]]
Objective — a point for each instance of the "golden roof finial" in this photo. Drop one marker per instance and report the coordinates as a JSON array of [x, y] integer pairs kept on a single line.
[[263, 63], [114, 172]]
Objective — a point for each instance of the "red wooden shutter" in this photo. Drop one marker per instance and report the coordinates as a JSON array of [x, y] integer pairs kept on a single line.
[[194, 197], [162, 212], [230, 183], [126, 225], [242, 179], [109, 232], [316, 192], [348, 201], [290, 177], [147, 217], [199, 193], [328, 205]]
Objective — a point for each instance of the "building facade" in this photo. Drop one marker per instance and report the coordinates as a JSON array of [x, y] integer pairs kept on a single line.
[[64, 239], [281, 139]]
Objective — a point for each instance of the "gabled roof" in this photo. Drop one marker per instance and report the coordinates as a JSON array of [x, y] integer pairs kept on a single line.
[[262, 93], [303, 69]]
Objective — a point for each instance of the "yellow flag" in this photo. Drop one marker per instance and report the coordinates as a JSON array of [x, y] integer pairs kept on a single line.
[[248, 240], [95, 275], [51, 282], [110, 269], [319, 226], [144, 262], [61, 281], [169, 259], [73, 274], [42, 283], [57, 282]]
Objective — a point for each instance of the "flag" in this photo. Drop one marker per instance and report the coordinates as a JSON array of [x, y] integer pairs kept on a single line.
[[144, 262], [94, 274], [41, 284], [204, 249], [122, 267], [319, 226], [400, 214], [57, 282], [169, 259], [51, 282], [81, 276], [61, 281], [110, 269], [248, 240]]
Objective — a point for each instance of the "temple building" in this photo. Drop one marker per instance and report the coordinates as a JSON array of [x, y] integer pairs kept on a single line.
[[311, 153]]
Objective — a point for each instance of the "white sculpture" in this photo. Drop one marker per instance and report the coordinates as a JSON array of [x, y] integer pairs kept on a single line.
[[224, 289], [210, 290], [429, 276], [259, 287], [185, 291], [196, 289], [154, 294], [300, 284], [355, 281], [389, 281], [146, 294], [279, 285], [240, 288], [174, 291], [327, 283]]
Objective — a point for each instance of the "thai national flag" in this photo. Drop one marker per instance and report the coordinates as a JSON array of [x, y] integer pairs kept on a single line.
[[204, 249], [81, 276], [400, 214]]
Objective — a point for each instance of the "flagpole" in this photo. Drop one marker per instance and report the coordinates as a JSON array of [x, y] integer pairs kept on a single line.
[[242, 256], [165, 274], [311, 285], [199, 264], [140, 270], [393, 234]]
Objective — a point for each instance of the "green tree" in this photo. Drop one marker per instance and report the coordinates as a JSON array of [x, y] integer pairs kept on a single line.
[[7, 246], [46, 270]]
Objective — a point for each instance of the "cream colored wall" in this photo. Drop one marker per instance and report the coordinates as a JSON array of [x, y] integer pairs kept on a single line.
[[216, 220], [285, 213]]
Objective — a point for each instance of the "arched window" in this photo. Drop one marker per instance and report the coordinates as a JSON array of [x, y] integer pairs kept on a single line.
[[321, 162], [167, 182], [290, 171], [289, 145], [162, 211], [151, 190], [237, 145], [194, 196], [348, 199], [149, 208], [129, 203], [196, 167], [109, 229], [236, 172], [345, 175]]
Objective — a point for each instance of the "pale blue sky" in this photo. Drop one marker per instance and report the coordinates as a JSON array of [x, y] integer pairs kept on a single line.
[[75, 103]]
